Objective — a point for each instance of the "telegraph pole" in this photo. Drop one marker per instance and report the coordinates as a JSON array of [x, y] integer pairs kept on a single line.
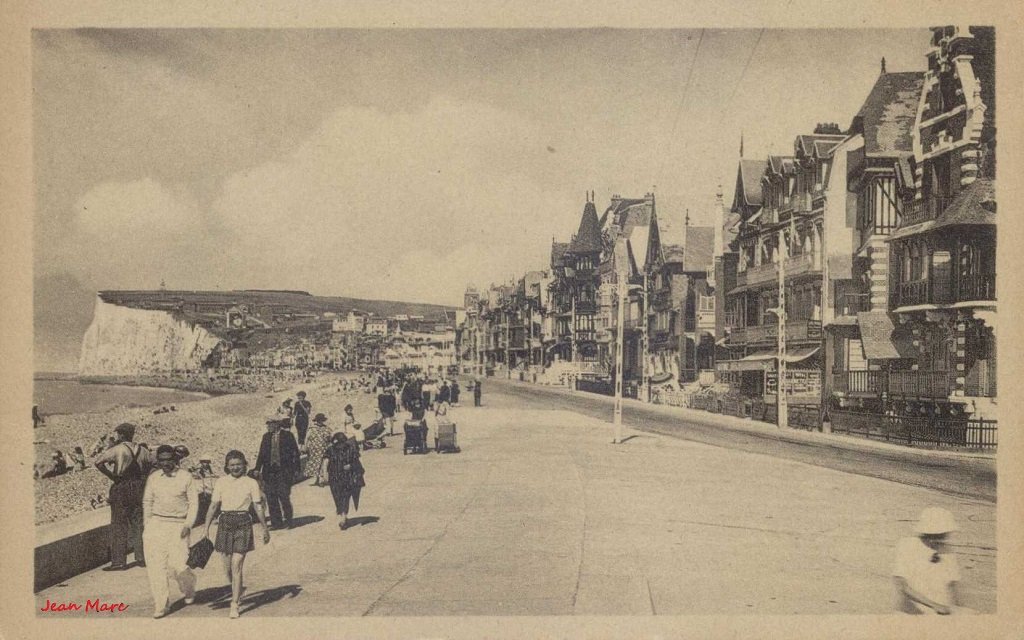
[[645, 347], [783, 406], [621, 313]]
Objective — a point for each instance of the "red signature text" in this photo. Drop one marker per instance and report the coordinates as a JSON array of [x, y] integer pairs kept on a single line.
[[90, 606]]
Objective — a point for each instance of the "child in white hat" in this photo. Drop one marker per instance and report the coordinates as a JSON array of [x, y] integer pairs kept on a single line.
[[926, 573]]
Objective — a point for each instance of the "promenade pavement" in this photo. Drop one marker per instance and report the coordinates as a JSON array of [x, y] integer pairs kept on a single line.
[[540, 515]]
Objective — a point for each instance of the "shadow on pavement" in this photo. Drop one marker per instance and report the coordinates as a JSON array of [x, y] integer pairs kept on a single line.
[[257, 599], [213, 594], [358, 520], [302, 521]]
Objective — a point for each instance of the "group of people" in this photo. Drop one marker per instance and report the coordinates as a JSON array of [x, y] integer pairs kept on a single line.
[[158, 501]]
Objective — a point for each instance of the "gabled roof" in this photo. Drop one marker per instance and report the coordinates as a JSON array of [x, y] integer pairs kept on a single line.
[[614, 212], [781, 165], [672, 234], [638, 240], [823, 148], [588, 237], [807, 144], [748, 183], [558, 250], [700, 249], [887, 117]]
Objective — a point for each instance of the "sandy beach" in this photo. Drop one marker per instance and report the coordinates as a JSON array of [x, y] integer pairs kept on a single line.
[[212, 426]]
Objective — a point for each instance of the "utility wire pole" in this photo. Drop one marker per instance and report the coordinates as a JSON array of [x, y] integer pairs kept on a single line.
[[620, 278], [645, 347], [783, 406]]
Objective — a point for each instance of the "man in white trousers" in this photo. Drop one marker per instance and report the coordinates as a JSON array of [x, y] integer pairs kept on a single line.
[[169, 504]]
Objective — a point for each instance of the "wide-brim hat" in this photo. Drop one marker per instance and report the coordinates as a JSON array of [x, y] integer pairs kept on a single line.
[[935, 521], [320, 418]]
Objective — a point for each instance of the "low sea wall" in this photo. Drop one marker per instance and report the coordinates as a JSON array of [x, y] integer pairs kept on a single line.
[[72, 546]]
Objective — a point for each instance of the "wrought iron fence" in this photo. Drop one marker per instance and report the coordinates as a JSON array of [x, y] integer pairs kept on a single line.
[[911, 430]]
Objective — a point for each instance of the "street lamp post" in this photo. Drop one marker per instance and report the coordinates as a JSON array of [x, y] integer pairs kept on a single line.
[[644, 348], [620, 333], [783, 404]]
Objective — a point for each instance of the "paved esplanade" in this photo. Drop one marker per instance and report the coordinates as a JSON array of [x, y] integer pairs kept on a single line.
[[540, 515]]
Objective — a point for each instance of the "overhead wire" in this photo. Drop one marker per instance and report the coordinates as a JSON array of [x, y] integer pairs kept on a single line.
[[682, 101]]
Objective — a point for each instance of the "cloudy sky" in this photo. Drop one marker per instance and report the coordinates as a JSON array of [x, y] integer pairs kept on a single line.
[[396, 164]]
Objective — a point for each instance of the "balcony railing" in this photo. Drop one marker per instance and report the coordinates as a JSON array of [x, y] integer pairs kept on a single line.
[[934, 291], [803, 203], [799, 265], [738, 335], [978, 286], [762, 333], [914, 384], [925, 209], [865, 382], [920, 384]]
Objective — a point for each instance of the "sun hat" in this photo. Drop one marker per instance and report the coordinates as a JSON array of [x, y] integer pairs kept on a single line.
[[935, 521], [319, 418]]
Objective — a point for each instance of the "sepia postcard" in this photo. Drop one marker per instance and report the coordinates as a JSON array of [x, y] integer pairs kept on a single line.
[[416, 321]]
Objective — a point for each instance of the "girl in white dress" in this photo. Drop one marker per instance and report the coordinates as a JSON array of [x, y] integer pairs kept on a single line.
[[233, 494]]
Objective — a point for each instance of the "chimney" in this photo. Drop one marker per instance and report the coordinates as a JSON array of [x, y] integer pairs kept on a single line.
[[883, 65]]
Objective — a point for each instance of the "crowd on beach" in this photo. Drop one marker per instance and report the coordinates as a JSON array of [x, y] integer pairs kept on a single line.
[[160, 499]]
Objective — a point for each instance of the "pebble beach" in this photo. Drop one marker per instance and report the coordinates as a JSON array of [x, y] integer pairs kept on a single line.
[[211, 426]]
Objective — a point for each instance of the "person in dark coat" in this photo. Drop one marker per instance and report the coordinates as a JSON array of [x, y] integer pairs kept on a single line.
[[455, 392], [413, 390], [300, 413], [278, 463], [444, 394], [345, 475], [477, 391], [387, 405]]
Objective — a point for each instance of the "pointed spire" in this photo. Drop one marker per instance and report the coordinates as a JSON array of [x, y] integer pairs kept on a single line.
[[588, 237], [741, 144]]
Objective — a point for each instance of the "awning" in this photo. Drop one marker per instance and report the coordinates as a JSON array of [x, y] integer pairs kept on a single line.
[[879, 338], [796, 355], [661, 378], [765, 360], [744, 365]]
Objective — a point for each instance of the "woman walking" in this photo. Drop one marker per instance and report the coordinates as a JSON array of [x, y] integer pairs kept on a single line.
[[317, 440], [232, 496], [344, 475]]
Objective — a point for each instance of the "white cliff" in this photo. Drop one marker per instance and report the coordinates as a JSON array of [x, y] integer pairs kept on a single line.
[[126, 341]]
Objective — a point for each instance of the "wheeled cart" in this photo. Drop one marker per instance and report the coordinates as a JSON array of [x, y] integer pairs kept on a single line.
[[446, 441], [415, 437]]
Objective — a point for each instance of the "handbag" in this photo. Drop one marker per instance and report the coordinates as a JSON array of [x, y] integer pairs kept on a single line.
[[199, 554]]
